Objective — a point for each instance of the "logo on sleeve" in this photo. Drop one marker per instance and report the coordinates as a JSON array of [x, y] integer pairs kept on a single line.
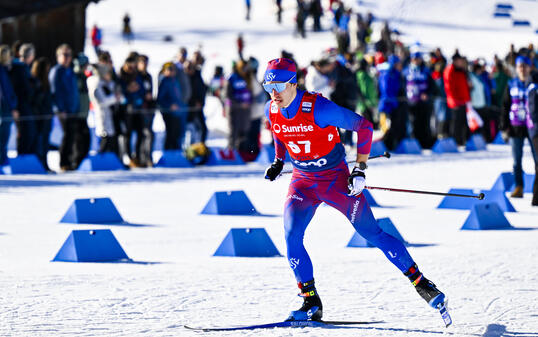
[[306, 106]]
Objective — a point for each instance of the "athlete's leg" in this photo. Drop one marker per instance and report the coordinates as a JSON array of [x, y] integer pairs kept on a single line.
[[357, 210], [299, 209]]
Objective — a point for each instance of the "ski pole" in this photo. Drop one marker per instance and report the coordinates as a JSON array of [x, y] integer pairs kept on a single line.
[[479, 196], [385, 154]]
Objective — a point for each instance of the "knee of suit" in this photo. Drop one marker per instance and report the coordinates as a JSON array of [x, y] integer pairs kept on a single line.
[[372, 234]]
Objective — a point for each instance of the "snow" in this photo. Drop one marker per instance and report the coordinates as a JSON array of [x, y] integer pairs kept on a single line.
[[490, 277]]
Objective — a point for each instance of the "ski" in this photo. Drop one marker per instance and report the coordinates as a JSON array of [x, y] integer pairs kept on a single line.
[[445, 314], [287, 324]]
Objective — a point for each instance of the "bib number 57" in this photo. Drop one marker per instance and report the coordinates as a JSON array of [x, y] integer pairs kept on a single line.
[[295, 148]]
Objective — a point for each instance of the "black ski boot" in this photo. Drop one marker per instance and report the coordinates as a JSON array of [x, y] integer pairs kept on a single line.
[[425, 288], [312, 307]]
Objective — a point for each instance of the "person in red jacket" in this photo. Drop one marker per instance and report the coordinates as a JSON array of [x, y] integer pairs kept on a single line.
[[96, 39], [457, 97]]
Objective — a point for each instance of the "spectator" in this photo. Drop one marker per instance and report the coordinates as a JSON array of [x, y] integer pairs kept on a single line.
[[420, 88], [278, 11], [533, 133], [501, 76], [196, 103], [148, 107], [250, 149], [217, 84], [316, 10], [8, 102], [172, 107], [127, 31], [516, 119], [439, 102], [392, 103], [317, 79], [345, 92], [16, 48], [97, 39], [42, 107], [182, 78], [240, 45], [83, 138], [457, 97], [132, 87], [488, 114], [368, 96], [104, 96], [342, 32], [20, 76], [300, 19], [66, 103], [247, 3], [238, 103]]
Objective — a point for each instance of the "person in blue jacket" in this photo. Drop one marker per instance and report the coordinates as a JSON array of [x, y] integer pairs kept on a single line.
[[392, 103], [173, 109], [8, 103], [66, 100]]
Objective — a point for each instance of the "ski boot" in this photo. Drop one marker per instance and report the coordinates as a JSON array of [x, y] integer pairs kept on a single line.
[[429, 292], [311, 308], [425, 288]]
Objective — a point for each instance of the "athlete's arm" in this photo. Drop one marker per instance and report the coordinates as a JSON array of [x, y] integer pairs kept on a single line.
[[280, 149], [328, 113]]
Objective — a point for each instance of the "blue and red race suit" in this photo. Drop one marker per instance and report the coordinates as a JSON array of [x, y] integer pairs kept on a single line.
[[307, 129]]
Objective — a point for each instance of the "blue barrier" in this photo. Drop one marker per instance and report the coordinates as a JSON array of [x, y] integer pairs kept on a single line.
[[486, 216], [267, 155], [247, 242], [173, 159], [92, 211], [504, 7], [106, 161], [408, 146], [505, 182], [490, 196], [229, 203], [501, 15], [224, 157], [386, 225], [499, 139], [97, 245], [378, 148], [521, 23], [445, 145], [23, 164], [475, 143]]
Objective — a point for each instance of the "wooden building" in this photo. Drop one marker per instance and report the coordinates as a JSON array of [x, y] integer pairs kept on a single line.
[[45, 23]]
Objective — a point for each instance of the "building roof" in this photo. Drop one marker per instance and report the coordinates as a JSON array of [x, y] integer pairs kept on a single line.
[[11, 8]]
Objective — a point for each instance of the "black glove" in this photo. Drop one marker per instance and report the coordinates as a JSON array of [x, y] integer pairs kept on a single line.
[[274, 170]]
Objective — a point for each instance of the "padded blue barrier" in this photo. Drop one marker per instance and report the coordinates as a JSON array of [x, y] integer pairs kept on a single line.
[[501, 15], [505, 182], [96, 245], [386, 225], [486, 216], [378, 148], [224, 157], [499, 139], [267, 155], [504, 7], [229, 203], [521, 23], [106, 161], [23, 164], [173, 159], [247, 242], [490, 196], [369, 198], [475, 143], [92, 211], [445, 145], [408, 146]]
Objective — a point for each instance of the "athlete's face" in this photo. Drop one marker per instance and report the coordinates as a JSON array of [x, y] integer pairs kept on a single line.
[[284, 98]]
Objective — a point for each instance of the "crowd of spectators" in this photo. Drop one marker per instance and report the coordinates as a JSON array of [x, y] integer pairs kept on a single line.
[[405, 91]]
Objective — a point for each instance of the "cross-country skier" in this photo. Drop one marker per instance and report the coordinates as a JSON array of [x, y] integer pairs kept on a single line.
[[306, 125]]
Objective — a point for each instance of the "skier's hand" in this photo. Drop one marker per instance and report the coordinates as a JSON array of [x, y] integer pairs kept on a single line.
[[356, 182], [505, 136], [274, 170]]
